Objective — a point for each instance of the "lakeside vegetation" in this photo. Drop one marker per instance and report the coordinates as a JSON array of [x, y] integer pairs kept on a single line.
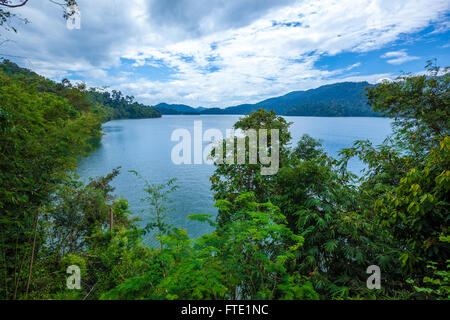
[[96, 101], [308, 232]]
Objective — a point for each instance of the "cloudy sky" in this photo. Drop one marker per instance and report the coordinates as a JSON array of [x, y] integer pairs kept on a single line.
[[216, 53]]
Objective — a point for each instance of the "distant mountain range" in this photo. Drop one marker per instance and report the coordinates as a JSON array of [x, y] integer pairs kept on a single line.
[[344, 99], [166, 108]]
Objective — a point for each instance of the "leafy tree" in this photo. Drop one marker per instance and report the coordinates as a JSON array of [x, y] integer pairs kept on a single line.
[[437, 285], [246, 258], [419, 106], [157, 198], [405, 186], [417, 211], [230, 180], [41, 137], [75, 230]]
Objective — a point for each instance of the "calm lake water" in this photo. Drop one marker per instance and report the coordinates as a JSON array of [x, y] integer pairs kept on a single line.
[[145, 146]]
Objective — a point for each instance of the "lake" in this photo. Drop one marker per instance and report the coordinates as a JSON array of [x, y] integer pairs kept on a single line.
[[145, 145]]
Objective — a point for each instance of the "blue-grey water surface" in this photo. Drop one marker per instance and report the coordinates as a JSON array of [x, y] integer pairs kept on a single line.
[[145, 145]]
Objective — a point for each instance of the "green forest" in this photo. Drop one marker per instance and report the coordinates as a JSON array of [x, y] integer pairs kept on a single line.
[[98, 102], [308, 232]]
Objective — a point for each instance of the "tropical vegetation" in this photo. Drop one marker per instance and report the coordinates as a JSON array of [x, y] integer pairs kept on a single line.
[[308, 232]]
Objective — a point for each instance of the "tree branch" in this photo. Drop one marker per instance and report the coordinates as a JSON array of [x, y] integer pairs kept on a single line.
[[6, 4]]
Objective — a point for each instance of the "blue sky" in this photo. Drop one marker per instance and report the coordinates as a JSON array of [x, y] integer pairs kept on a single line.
[[218, 53]]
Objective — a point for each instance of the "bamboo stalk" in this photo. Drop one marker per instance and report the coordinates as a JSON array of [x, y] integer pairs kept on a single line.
[[32, 252], [111, 219]]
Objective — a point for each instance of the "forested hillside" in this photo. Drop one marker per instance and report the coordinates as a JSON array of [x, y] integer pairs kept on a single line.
[[346, 99], [166, 108], [119, 106], [107, 105]]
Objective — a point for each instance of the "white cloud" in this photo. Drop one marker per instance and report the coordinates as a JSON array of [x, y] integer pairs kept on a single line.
[[398, 57], [228, 54], [442, 27], [353, 66]]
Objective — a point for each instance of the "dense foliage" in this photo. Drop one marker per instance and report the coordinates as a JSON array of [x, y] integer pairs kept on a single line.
[[41, 135], [44, 127], [308, 232], [119, 106], [107, 105]]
